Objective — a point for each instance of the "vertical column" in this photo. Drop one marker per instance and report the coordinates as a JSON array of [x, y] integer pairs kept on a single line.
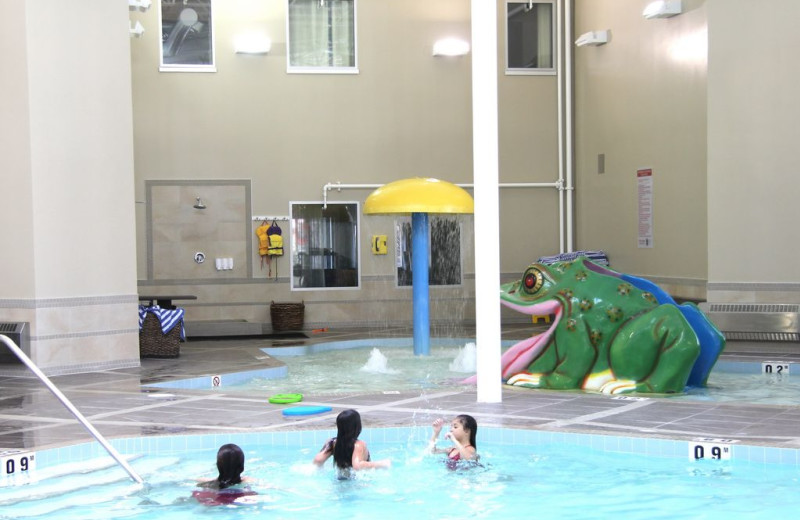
[[485, 178], [419, 282]]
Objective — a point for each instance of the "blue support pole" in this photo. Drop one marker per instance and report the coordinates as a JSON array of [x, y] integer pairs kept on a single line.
[[419, 283]]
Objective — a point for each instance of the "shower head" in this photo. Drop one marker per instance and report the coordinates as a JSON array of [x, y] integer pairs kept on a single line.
[[199, 204]]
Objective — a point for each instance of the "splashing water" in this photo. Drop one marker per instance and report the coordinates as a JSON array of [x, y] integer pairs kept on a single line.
[[378, 364], [466, 360]]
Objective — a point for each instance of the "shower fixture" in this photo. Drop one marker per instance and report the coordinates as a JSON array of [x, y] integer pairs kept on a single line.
[[199, 204]]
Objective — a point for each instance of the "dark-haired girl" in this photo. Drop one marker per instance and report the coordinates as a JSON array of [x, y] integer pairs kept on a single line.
[[462, 435], [348, 452], [225, 489]]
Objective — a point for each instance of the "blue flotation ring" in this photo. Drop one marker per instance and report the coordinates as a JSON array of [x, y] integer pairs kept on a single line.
[[306, 410]]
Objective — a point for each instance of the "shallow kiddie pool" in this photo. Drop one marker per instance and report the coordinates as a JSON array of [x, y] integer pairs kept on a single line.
[[522, 473], [364, 366]]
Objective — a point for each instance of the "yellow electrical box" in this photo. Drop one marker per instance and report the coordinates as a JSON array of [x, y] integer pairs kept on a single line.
[[379, 245]]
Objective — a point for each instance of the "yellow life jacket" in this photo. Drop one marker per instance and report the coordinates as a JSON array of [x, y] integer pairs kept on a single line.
[[263, 239], [275, 247]]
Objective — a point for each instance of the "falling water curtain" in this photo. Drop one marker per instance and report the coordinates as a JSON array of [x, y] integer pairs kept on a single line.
[[322, 33]]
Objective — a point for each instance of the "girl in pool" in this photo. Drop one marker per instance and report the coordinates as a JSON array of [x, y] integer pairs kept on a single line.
[[348, 452], [226, 488], [462, 435]]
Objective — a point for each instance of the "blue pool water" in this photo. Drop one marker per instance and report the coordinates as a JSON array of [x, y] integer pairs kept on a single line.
[[571, 479]]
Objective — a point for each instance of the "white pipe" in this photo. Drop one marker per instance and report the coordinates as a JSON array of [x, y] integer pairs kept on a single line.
[[339, 186], [560, 102], [69, 406], [486, 172], [568, 115]]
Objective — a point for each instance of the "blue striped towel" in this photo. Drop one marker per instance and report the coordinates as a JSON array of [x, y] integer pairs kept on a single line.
[[168, 318], [598, 257]]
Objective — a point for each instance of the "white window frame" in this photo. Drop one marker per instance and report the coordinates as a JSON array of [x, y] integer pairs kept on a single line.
[[178, 67], [550, 71], [295, 249], [301, 69]]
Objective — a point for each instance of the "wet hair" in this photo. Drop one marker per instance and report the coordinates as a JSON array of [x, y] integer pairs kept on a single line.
[[230, 463], [348, 425], [469, 423]]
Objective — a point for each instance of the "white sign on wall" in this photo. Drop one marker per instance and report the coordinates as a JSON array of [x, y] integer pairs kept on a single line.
[[644, 178]]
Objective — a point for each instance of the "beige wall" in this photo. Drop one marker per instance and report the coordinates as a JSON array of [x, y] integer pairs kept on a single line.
[[405, 114], [68, 210], [641, 100], [752, 152], [16, 255]]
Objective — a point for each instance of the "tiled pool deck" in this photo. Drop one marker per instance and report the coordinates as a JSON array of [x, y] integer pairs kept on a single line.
[[119, 406]]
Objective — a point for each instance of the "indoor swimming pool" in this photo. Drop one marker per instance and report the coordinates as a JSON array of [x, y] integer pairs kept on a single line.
[[520, 473]]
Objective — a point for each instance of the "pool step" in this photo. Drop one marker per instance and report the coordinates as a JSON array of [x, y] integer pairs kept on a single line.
[[78, 484]]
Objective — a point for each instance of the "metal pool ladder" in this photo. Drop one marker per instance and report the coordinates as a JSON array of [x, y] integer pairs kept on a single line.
[[69, 406]]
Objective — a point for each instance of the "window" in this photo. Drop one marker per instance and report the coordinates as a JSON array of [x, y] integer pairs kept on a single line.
[[187, 39], [324, 245], [530, 38], [322, 36], [444, 264]]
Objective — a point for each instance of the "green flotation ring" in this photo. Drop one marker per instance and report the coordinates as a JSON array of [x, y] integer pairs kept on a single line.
[[285, 398]]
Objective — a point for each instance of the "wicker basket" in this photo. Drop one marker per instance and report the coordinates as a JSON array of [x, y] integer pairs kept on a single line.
[[153, 343], [287, 316]]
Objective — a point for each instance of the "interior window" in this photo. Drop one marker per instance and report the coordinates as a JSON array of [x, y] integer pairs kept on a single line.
[[322, 35], [530, 41], [444, 262], [324, 245]]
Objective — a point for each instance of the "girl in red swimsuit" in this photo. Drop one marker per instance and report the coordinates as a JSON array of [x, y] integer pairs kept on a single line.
[[462, 435]]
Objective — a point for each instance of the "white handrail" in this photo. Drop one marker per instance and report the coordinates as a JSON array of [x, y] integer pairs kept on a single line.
[[78, 415]]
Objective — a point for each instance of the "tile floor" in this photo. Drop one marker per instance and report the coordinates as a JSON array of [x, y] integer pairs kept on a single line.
[[117, 404]]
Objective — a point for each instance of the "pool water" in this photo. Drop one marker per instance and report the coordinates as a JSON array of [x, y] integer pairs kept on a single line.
[[544, 481], [369, 370], [747, 388], [388, 369]]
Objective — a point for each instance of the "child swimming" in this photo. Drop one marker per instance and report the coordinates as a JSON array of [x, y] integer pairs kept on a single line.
[[462, 434], [348, 452]]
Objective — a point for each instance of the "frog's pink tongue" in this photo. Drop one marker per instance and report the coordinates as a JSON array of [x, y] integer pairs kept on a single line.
[[517, 358]]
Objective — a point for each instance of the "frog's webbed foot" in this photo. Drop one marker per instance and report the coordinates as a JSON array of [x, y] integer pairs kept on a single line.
[[619, 386], [606, 383], [525, 379]]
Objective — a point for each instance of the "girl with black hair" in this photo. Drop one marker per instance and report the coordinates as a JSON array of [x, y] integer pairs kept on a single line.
[[348, 452], [230, 464], [462, 434]]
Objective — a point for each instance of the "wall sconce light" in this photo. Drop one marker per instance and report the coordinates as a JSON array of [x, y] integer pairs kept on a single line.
[[142, 5], [199, 204], [592, 38], [662, 9], [252, 43], [136, 30], [450, 47]]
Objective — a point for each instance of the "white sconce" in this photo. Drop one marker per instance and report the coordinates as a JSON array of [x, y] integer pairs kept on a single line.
[[450, 47], [592, 38], [252, 43], [136, 30], [142, 5], [662, 9]]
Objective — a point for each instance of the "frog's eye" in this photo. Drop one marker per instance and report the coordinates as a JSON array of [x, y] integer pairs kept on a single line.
[[532, 280]]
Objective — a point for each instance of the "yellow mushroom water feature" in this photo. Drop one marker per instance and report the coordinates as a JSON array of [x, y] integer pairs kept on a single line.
[[419, 197]]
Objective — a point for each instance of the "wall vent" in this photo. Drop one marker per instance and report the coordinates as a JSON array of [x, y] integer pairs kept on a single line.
[[18, 333], [756, 321]]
